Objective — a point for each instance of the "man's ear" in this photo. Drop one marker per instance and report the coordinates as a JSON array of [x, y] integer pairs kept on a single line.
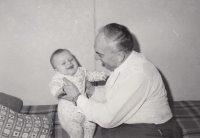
[[121, 56]]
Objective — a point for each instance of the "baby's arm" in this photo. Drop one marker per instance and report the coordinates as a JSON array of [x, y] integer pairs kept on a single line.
[[96, 76], [56, 87]]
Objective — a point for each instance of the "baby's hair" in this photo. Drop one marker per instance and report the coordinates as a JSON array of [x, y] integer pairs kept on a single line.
[[58, 51]]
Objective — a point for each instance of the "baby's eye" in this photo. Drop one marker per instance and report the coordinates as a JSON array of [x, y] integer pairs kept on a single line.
[[63, 63], [71, 59]]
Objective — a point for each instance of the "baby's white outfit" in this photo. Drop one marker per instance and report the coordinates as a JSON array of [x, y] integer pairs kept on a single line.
[[71, 120]]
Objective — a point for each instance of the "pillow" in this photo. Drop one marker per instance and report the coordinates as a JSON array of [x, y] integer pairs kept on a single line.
[[16, 125], [12, 102]]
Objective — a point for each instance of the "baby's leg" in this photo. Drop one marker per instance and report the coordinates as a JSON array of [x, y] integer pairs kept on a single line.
[[89, 129], [74, 129], [70, 120]]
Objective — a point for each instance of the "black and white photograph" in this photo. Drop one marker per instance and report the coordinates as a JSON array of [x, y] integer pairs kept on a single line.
[[100, 69]]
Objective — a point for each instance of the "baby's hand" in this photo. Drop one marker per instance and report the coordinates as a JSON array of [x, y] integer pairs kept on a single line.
[[104, 77]]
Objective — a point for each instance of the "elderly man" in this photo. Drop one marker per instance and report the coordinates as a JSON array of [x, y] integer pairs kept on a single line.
[[133, 103]]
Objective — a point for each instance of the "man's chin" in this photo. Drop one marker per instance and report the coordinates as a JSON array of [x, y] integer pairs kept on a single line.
[[108, 68], [104, 65]]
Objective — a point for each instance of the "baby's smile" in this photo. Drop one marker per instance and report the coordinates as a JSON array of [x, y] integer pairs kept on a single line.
[[71, 67]]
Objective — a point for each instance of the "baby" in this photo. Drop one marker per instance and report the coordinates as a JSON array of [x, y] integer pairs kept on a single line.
[[66, 66]]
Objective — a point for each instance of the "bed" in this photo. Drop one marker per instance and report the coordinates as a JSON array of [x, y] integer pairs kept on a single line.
[[41, 121], [186, 113]]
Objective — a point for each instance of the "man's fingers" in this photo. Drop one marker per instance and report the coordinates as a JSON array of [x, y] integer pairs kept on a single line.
[[67, 98]]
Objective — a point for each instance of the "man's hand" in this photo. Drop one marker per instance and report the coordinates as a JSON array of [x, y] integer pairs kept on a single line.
[[89, 88], [70, 89], [60, 93], [66, 97]]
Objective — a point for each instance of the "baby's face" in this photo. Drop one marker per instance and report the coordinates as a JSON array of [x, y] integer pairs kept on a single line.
[[65, 63]]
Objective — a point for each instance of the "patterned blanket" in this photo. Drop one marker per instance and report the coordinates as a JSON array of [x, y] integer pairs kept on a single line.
[[186, 113], [50, 110]]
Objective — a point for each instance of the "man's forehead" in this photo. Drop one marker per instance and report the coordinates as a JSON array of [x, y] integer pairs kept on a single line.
[[100, 43]]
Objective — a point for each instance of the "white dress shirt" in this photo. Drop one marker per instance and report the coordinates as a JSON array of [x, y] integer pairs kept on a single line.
[[134, 93]]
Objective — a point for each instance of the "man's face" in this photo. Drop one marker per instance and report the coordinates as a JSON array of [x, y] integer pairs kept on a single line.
[[103, 53], [65, 63]]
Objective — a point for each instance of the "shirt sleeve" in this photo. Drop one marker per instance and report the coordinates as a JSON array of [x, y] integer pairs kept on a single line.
[[99, 94], [95, 76], [127, 98]]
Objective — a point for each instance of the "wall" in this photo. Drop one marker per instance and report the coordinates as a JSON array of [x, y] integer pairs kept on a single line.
[[167, 33], [29, 32]]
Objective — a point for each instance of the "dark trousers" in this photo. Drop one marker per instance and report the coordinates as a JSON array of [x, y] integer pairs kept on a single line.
[[170, 129]]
